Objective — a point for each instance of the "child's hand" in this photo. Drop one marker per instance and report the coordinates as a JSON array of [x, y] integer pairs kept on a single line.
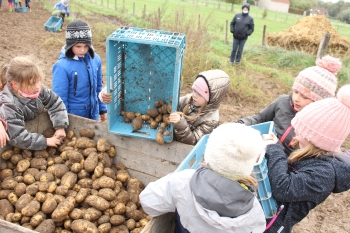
[[270, 138], [174, 117], [106, 97], [3, 136], [60, 134], [103, 116], [54, 141]]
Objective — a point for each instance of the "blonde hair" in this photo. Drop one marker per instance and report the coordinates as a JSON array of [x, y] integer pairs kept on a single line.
[[22, 70], [309, 151]]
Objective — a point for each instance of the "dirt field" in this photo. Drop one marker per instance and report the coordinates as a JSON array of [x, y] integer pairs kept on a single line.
[[24, 34]]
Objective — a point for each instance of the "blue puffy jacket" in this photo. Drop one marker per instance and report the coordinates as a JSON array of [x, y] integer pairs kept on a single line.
[[78, 82], [60, 6]]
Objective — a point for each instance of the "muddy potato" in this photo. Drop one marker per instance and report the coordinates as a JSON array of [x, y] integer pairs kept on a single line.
[[67, 224], [71, 193], [52, 151], [120, 208], [61, 190], [86, 132], [25, 219], [153, 125], [152, 112], [106, 182], [41, 154], [97, 202], [137, 123], [103, 219], [112, 152], [82, 194], [69, 179], [122, 175], [117, 220], [37, 219], [13, 198], [87, 151], [109, 172], [62, 210], [15, 158], [58, 160], [74, 156], [39, 163], [134, 214], [126, 119], [119, 229], [32, 189], [76, 214], [40, 197], [22, 201], [107, 194], [137, 230], [91, 162], [83, 226], [28, 179], [83, 174], [6, 173], [20, 189], [9, 183], [160, 138], [70, 134], [76, 167], [157, 104], [4, 194], [16, 217], [92, 214], [104, 228], [6, 155], [143, 222], [8, 217], [85, 183], [3, 165], [46, 177], [103, 145], [130, 224], [49, 132], [58, 170], [47, 225], [123, 196], [145, 117], [31, 208], [26, 154], [84, 142], [130, 115]]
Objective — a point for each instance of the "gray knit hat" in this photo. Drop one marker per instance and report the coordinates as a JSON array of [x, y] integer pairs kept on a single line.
[[78, 32]]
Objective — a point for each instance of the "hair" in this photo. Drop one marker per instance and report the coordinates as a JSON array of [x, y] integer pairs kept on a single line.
[[309, 151], [22, 70], [184, 113]]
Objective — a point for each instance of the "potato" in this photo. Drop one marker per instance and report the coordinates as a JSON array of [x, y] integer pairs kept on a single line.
[[136, 230], [106, 182], [19, 178], [52, 151], [83, 174], [25, 219], [123, 175], [71, 193], [49, 205], [20, 189], [119, 208], [32, 189], [107, 194], [109, 172], [98, 172], [87, 151], [58, 198], [8, 217], [4, 193], [22, 201], [43, 186], [85, 183], [61, 190], [69, 179], [74, 156], [58, 160], [49, 132], [76, 167], [6, 155], [84, 142], [103, 219], [143, 222], [112, 152], [31, 208], [103, 145], [134, 214], [76, 214], [41, 154], [27, 225], [46, 226], [119, 229], [97, 202], [137, 123], [15, 158], [39, 163], [104, 228], [130, 224], [117, 220], [46, 177], [92, 214], [123, 196], [105, 159], [81, 195], [13, 198], [67, 224], [62, 210], [37, 219], [28, 179], [160, 138], [6, 173], [153, 124], [27, 154], [70, 134], [83, 226], [152, 112], [9, 184], [52, 187], [91, 162], [40, 196], [38, 174], [86, 132]]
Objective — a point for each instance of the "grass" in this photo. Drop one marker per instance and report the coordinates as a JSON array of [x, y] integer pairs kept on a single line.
[[207, 47]]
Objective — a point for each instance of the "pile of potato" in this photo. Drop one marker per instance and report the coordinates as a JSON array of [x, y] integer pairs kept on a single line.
[[158, 116], [72, 188]]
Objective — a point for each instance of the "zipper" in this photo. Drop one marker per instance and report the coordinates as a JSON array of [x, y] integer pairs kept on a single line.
[[75, 83]]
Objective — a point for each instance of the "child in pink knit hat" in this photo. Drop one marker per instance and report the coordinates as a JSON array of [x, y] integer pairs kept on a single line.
[[312, 84], [198, 111], [311, 173]]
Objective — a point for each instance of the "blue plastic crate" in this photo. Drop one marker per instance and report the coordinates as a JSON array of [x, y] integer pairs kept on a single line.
[[21, 9], [268, 203], [53, 24], [143, 66]]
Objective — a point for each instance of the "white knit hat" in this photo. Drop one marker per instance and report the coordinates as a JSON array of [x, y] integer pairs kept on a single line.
[[233, 149]]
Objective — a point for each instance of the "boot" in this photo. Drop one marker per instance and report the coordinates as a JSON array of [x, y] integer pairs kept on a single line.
[[10, 9]]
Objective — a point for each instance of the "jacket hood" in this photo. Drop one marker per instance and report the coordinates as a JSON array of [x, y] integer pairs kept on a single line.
[[246, 5], [218, 82], [216, 204]]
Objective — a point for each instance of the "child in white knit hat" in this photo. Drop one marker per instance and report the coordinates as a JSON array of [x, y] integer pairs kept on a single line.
[[218, 197], [311, 173], [312, 84], [198, 111]]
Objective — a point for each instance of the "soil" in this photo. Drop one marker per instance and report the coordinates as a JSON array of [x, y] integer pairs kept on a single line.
[[24, 34]]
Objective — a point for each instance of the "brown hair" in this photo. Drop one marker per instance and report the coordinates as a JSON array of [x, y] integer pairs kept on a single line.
[[22, 70], [308, 151]]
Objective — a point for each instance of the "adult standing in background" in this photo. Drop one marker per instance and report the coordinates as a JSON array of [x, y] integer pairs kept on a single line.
[[242, 26]]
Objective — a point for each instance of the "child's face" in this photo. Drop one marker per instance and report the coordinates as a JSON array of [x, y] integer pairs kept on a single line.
[[302, 141], [80, 49], [198, 100], [31, 90], [300, 101]]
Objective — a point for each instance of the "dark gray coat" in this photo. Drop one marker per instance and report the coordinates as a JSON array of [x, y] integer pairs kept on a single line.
[[281, 113], [242, 26], [16, 111], [302, 185]]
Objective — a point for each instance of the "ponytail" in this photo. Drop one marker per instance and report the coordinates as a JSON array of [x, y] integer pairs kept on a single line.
[[3, 80]]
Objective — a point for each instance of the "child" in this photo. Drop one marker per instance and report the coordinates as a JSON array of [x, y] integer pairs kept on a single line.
[[311, 84], [77, 75], [218, 197], [3, 135], [28, 5], [22, 98], [199, 113], [310, 174], [61, 10], [9, 4]]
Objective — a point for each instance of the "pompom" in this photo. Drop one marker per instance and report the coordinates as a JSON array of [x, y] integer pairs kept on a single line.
[[343, 95], [329, 63]]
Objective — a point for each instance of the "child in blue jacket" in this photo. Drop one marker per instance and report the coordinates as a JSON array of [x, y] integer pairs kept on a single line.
[[77, 75], [61, 9]]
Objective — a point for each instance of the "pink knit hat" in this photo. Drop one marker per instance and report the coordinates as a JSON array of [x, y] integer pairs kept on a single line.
[[326, 123], [319, 82], [201, 87]]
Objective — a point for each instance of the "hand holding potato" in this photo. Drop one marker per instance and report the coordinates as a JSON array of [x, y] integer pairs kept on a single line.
[[174, 117], [60, 134], [106, 97], [270, 138], [3, 136]]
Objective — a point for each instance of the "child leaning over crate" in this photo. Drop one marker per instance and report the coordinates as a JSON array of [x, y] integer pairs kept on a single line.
[[199, 113], [77, 75], [22, 98], [61, 9], [311, 173], [312, 84], [218, 197]]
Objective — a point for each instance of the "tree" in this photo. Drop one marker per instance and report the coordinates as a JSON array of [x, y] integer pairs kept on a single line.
[[234, 2], [345, 16], [303, 4], [335, 8]]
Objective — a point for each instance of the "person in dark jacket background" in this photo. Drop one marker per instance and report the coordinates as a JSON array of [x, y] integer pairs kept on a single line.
[[318, 168], [242, 26]]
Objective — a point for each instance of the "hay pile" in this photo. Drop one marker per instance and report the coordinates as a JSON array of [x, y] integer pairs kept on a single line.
[[306, 36]]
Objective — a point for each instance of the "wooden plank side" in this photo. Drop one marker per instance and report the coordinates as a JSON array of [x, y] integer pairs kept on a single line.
[[164, 223]]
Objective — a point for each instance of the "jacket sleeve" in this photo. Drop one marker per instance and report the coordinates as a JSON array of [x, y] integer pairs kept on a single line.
[[267, 114], [232, 25], [56, 108], [102, 106], [60, 82], [156, 199], [251, 27], [67, 11], [315, 179]]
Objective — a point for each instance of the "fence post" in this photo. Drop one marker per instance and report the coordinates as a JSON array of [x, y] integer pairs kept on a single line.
[[144, 11], [101, 2], [159, 17], [176, 20], [107, 3], [322, 48], [123, 10], [226, 41], [115, 4], [264, 34], [133, 8], [199, 22]]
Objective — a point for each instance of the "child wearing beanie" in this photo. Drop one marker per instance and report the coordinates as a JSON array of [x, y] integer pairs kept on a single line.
[[311, 173], [312, 84], [61, 9], [77, 75], [218, 197], [198, 111]]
